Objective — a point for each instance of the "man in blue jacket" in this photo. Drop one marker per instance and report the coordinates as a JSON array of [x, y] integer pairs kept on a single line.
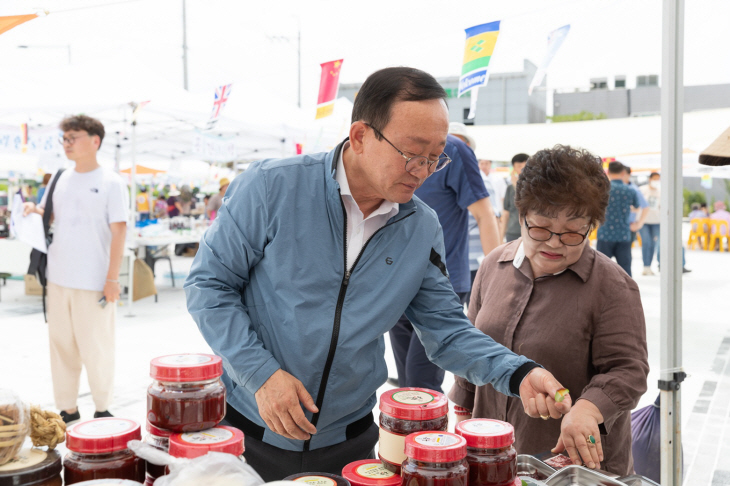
[[312, 259]]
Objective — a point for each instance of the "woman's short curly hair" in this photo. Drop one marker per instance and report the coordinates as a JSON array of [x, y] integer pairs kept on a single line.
[[563, 178]]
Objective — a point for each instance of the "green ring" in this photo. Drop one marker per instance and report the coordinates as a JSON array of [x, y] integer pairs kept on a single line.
[[591, 439]]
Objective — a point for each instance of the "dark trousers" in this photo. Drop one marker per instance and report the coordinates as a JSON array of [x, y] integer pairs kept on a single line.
[[621, 250], [274, 464], [414, 368]]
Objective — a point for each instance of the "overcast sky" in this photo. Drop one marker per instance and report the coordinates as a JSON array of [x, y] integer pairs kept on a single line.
[[240, 41]]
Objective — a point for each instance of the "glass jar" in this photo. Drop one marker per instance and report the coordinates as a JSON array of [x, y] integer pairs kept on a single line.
[[217, 439], [318, 479], [435, 459], [34, 467], [187, 394], [492, 458], [160, 440], [98, 450], [370, 472], [404, 411]]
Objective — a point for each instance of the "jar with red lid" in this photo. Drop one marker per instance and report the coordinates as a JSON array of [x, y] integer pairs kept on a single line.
[[404, 411], [318, 479], [435, 459], [98, 450], [492, 458], [187, 393], [32, 467], [370, 472], [217, 439], [160, 440]]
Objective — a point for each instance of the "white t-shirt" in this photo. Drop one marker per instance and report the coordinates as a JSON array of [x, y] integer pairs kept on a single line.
[[84, 205]]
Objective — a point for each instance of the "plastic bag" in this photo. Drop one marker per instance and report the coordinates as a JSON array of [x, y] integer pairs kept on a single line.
[[212, 469], [646, 440], [14, 425]]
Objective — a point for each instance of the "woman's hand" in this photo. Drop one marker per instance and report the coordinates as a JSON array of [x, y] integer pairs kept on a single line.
[[576, 430]]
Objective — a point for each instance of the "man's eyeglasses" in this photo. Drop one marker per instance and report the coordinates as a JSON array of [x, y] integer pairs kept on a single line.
[[70, 140], [415, 163], [569, 238]]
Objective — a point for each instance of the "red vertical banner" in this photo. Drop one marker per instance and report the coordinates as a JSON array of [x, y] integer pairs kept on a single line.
[[328, 86]]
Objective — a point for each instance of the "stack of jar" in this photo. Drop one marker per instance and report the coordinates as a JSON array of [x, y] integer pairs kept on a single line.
[[414, 443], [185, 403]]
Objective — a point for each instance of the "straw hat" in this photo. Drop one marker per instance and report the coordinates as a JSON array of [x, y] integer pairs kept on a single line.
[[456, 128], [224, 182], [718, 153]]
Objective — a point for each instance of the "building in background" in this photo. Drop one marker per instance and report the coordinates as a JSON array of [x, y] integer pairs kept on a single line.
[[504, 101]]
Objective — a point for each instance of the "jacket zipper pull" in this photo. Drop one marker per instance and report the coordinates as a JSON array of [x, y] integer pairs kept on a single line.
[[347, 278]]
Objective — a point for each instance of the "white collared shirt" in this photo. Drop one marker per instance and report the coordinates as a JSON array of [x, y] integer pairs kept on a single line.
[[359, 230]]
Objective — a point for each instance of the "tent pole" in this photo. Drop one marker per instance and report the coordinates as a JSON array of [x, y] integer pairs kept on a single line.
[[671, 374], [133, 213]]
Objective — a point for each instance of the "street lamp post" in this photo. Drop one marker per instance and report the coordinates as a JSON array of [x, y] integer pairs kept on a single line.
[[299, 57]]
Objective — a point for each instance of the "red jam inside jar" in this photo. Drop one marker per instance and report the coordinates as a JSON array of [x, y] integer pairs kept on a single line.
[[435, 459], [370, 472], [187, 394], [98, 450], [404, 411], [492, 458], [217, 439], [160, 440], [32, 467]]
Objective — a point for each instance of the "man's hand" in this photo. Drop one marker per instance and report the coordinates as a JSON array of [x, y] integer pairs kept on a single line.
[[278, 401], [635, 226], [111, 291], [537, 392], [28, 208], [576, 431]]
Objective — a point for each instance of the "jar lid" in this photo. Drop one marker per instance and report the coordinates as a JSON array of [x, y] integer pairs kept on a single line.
[[158, 432], [435, 447], [486, 433], [221, 438], [30, 466], [318, 479], [109, 482], [186, 367], [414, 404], [370, 472], [102, 435]]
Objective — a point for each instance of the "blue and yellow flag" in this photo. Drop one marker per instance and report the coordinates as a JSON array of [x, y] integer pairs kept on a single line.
[[480, 42]]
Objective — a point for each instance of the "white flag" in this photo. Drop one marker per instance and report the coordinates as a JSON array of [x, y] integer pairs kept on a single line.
[[555, 40]]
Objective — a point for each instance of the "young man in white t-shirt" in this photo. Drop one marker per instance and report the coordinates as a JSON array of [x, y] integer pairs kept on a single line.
[[90, 211]]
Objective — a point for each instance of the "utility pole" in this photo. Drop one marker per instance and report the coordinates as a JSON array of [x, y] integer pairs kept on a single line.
[[185, 47], [299, 64]]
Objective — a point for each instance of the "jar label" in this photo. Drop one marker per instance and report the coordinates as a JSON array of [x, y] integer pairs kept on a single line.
[[210, 436], [486, 427], [316, 481], [374, 471], [185, 359], [436, 440], [412, 397], [23, 459], [100, 428], [391, 447]]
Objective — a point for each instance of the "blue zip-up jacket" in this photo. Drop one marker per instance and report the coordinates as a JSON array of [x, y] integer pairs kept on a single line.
[[269, 289]]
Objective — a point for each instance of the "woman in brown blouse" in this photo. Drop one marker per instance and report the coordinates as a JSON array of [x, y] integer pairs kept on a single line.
[[553, 298]]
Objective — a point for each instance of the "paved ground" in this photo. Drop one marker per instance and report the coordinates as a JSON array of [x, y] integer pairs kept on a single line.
[[166, 327]]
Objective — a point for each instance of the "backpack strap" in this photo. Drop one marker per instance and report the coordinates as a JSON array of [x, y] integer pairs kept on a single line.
[[48, 210]]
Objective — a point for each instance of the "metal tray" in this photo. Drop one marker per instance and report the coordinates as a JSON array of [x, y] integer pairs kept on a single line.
[[580, 476], [636, 480], [530, 465]]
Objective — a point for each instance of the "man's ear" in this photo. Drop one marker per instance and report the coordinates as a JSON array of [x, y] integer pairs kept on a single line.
[[357, 134]]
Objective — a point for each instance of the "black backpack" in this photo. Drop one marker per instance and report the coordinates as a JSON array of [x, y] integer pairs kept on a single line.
[[38, 259]]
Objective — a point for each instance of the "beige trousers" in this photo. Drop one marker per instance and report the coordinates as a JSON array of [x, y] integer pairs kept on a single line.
[[80, 333]]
